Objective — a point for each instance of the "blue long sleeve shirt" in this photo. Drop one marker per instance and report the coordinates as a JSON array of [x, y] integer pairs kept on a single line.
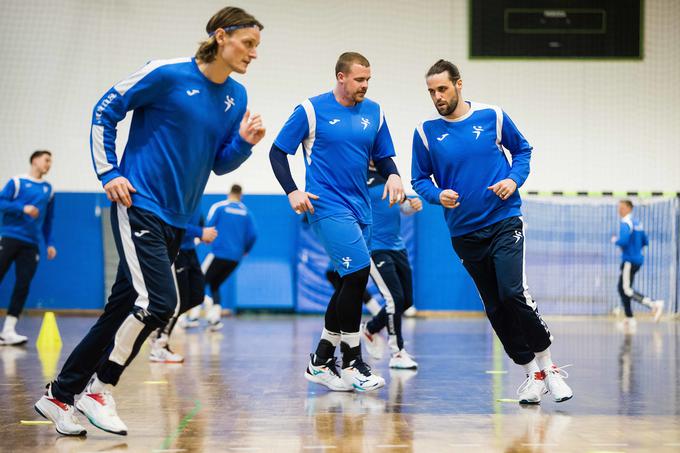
[[632, 240], [236, 233], [466, 155], [19, 192], [194, 229], [183, 126]]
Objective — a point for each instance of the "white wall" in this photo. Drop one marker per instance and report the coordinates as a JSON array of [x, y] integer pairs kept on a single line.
[[595, 125]]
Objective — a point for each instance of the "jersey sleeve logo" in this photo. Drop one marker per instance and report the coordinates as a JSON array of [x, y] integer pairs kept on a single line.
[[477, 130], [229, 102], [365, 122]]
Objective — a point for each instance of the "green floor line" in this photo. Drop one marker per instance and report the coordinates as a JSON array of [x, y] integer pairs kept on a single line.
[[182, 425]]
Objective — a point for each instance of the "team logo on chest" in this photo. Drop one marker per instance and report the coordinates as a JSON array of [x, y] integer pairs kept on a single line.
[[365, 122], [229, 102], [477, 130]]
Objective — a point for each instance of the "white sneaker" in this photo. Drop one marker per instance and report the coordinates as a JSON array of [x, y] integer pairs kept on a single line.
[[358, 375], [554, 382], [629, 325], [97, 404], [402, 360], [326, 374], [532, 388], [657, 310], [374, 342], [11, 338], [214, 318], [410, 312], [187, 321], [164, 355], [61, 414]]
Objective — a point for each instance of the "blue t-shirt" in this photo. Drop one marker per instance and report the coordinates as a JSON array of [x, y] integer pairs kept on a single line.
[[338, 142], [19, 192], [632, 240], [193, 230], [183, 126], [386, 231], [466, 155], [235, 230]]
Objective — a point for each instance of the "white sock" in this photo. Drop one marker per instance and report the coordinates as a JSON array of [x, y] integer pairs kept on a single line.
[[332, 337], [373, 307], [161, 341], [531, 368], [543, 359], [10, 323], [351, 339], [97, 386], [647, 302]]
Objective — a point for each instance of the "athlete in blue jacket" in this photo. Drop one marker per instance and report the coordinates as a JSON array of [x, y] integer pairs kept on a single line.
[[340, 132], [462, 149], [234, 219], [632, 239], [27, 208], [391, 272], [190, 117]]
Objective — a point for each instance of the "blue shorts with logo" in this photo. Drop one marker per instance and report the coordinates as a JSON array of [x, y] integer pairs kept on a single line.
[[346, 241]]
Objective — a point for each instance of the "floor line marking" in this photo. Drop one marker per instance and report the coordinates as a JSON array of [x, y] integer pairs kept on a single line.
[[319, 447], [496, 372], [35, 422], [182, 425], [156, 382], [392, 446]]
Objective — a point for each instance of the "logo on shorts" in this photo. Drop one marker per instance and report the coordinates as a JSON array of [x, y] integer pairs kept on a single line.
[[477, 130], [380, 264], [345, 261], [517, 235], [141, 233], [365, 122]]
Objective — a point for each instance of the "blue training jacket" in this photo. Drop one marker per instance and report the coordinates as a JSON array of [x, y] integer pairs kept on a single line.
[[183, 126], [19, 192]]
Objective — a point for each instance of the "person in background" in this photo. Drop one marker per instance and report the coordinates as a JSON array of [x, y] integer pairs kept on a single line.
[[632, 240], [27, 208]]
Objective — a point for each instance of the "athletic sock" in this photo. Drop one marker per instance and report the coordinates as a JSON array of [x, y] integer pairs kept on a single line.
[[531, 368], [543, 359]]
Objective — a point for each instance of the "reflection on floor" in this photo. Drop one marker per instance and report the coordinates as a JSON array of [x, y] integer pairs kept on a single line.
[[243, 390]]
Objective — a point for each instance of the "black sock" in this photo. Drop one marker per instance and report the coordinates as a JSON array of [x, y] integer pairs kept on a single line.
[[349, 354], [324, 351]]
